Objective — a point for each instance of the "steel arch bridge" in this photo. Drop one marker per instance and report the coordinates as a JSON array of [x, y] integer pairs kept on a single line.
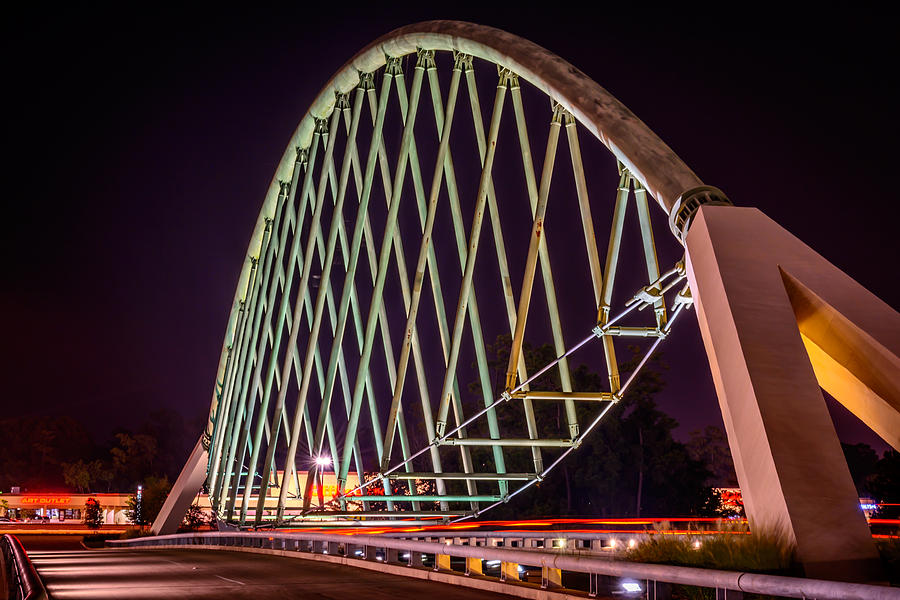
[[348, 346]]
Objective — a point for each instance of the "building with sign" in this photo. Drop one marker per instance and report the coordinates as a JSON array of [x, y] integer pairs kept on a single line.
[[69, 507], [62, 508]]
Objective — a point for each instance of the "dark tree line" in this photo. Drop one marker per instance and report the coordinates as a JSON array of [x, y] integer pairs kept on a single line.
[[56, 453], [876, 478]]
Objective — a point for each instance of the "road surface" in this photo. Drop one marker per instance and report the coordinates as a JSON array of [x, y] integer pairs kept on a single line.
[[133, 574]]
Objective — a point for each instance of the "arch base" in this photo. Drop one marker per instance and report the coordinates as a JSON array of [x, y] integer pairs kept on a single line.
[[760, 294]]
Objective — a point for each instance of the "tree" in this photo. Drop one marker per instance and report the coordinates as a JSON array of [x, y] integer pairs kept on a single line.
[[93, 518], [862, 460], [77, 475], [133, 457], [35, 447], [194, 518], [711, 448], [102, 471], [155, 490], [884, 484]]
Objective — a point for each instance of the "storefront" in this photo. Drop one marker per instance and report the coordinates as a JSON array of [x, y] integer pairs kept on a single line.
[[69, 507], [62, 508]]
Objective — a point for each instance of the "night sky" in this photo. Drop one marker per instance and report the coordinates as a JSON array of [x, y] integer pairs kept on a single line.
[[139, 149]]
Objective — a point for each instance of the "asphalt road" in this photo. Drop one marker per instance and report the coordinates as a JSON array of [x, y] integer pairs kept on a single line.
[[137, 574]]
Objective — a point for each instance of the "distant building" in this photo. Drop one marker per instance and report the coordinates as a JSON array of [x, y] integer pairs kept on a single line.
[[730, 499], [60, 508]]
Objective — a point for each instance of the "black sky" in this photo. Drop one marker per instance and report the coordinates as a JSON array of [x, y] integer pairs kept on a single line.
[[140, 146]]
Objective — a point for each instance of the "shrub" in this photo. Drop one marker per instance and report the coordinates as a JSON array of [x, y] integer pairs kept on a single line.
[[134, 532], [93, 518], [194, 518]]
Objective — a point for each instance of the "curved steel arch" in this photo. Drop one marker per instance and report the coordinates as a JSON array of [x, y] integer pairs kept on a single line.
[[646, 165], [661, 172]]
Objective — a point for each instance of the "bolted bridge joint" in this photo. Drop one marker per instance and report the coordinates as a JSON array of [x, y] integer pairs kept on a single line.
[[687, 205]]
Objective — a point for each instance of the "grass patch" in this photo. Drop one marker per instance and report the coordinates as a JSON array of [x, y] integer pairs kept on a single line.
[[738, 550], [134, 532], [753, 553]]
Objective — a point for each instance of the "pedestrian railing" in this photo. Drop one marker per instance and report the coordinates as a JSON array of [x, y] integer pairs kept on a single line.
[[552, 568], [20, 580]]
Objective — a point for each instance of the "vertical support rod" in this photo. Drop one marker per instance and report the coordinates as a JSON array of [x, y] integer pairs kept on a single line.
[[537, 230], [643, 211], [584, 205], [564, 117], [609, 275], [419, 277], [343, 307], [384, 257], [324, 285], [248, 395], [276, 342], [472, 254]]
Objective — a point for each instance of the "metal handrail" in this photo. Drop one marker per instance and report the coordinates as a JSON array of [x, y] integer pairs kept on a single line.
[[777, 585], [22, 580]]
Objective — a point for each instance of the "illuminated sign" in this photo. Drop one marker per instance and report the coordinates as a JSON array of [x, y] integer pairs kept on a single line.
[[46, 500], [329, 490]]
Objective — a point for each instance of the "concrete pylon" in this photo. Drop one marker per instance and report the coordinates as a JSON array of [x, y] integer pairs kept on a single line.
[[186, 487], [778, 321]]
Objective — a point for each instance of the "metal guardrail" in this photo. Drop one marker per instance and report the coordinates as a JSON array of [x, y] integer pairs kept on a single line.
[[605, 543], [551, 563], [20, 577]]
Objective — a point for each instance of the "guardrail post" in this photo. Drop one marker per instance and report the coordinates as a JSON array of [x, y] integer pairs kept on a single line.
[[391, 555], [593, 584], [442, 562], [509, 571], [550, 578], [370, 553], [474, 566], [414, 559], [721, 594], [660, 590]]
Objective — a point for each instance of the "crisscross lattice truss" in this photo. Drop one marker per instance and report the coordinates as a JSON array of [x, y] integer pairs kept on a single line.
[[356, 350]]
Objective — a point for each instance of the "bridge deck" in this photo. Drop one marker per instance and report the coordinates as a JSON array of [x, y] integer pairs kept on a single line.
[[137, 574]]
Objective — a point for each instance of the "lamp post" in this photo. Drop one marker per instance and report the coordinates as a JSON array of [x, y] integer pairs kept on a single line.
[[140, 497], [321, 463]]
